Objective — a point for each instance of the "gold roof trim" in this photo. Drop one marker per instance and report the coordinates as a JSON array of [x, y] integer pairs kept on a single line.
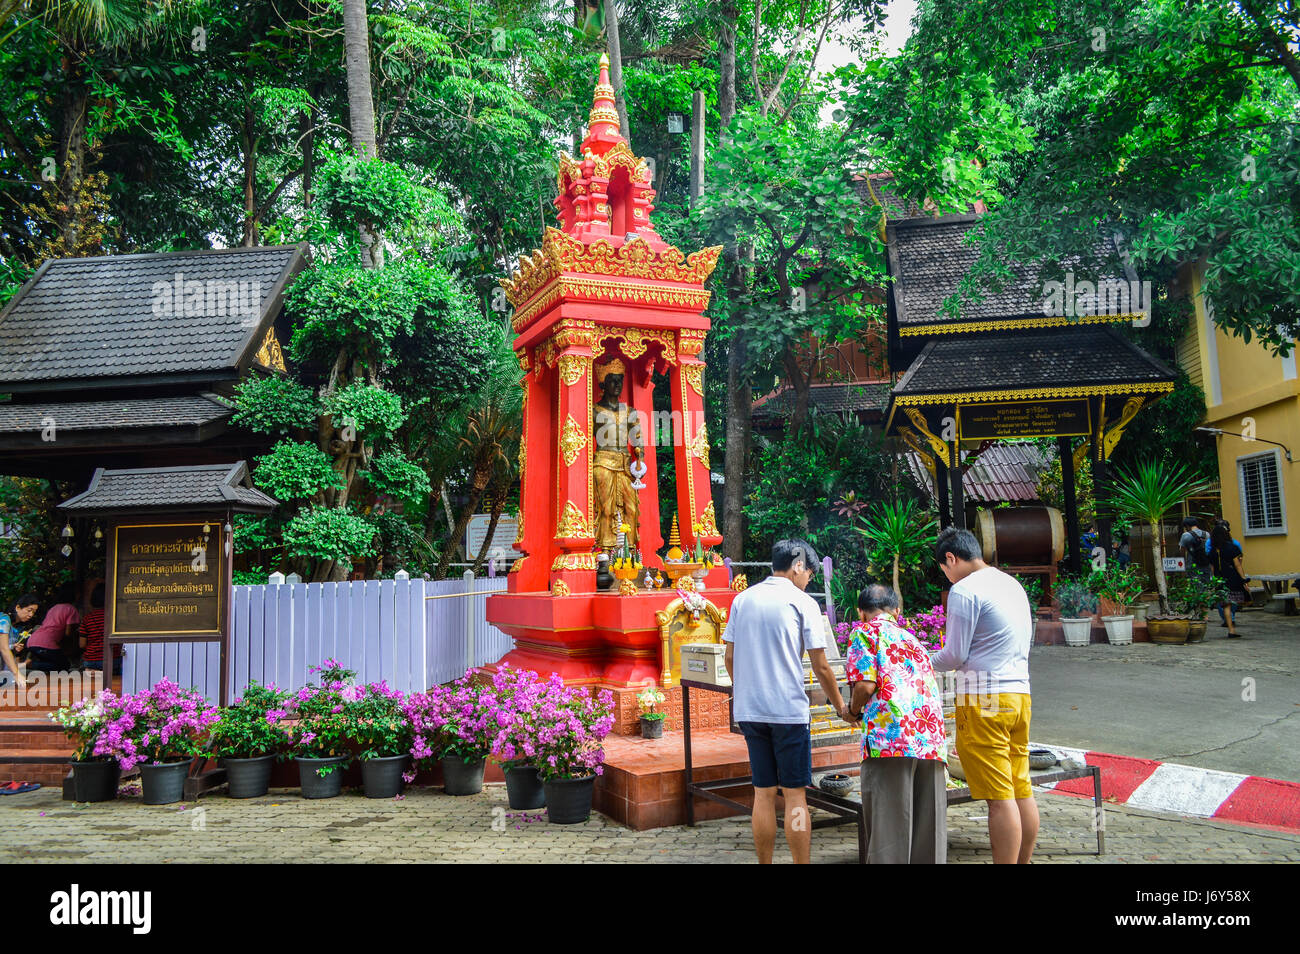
[[1047, 321]]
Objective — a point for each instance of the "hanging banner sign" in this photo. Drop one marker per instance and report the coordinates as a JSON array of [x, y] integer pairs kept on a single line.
[[167, 580], [1006, 421]]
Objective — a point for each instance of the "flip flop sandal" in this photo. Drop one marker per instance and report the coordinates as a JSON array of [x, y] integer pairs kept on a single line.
[[18, 788]]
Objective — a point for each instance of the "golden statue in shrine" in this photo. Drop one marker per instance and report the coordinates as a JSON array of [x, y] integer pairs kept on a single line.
[[614, 427]]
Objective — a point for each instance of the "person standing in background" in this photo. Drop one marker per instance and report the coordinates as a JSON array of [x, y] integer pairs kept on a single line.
[[1226, 564]]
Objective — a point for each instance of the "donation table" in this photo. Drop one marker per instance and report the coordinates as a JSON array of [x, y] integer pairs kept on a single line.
[[846, 808]]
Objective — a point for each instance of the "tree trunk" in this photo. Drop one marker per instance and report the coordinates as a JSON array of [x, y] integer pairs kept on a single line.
[[361, 107], [739, 399], [727, 63], [616, 64], [479, 484], [498, 506], [249, 141], [72, 156], [897, 588], [1158, 564]]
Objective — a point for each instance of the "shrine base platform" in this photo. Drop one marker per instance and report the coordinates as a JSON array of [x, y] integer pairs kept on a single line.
[[709, 710], [644, 778]]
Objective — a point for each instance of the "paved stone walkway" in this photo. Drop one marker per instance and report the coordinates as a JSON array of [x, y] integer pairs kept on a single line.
[[1227, 704], [426, 825]]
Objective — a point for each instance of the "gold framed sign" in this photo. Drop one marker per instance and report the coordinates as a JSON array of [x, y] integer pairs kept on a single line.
[[168, 580], [1018, 419]]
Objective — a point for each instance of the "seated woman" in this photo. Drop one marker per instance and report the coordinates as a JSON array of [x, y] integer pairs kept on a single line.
[[15, 626], [45, 645], [904, 745], [92, 635]]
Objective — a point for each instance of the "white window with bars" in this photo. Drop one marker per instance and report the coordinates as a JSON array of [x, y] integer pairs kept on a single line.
[[1263, 507]]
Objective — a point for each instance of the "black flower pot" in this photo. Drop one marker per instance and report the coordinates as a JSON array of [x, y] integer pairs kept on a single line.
[[652, 728], [382, 777], [248, 778], [313, 784], [95, 780], [460, 777], [524, 788], [568, 800], [163, 783]]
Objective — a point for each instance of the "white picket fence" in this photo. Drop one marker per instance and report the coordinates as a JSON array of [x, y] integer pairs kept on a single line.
[[383, 629]]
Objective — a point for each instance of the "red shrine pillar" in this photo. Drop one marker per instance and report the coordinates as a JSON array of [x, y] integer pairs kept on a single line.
[[694, 481], [536, 463], [574, 567]]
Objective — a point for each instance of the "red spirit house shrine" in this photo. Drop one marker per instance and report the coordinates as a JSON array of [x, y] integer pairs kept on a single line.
[[605, 288]]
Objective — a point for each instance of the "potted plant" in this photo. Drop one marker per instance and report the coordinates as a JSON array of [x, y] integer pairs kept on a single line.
[[570, 726], [1118, 586], [161, 729], [1193, 596], [1077, 603], [94, 777], [320, 739], [652, 720], [898, 535], [248, 737], [519, 693], [1147, 493], [379, 730], [450, 725]]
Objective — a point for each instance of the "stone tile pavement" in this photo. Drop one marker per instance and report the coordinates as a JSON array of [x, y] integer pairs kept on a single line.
[[428, 826]]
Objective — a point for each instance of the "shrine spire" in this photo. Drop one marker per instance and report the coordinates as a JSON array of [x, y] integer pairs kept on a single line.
[[603, 129]]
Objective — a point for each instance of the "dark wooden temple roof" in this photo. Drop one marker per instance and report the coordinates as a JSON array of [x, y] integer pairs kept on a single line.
[[186, 410], [869, 398], [1047, 360], [113, 320], [928, 258], [211, 486]]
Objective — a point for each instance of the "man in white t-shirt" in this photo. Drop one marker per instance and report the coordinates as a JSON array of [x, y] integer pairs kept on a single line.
[[988, 629], [772, 624]]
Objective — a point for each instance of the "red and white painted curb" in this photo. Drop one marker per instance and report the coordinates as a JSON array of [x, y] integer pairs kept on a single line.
[[1185, 789]]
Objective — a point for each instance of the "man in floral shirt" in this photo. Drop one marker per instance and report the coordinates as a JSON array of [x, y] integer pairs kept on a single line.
[[904, 747]]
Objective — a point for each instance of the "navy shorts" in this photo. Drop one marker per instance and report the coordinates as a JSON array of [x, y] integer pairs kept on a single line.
[[779, 754]]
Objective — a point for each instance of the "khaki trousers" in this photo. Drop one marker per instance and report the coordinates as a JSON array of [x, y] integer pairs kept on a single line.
[[905, 811]]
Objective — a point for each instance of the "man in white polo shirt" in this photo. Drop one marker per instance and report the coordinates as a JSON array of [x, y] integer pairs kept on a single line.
[[772, 624]]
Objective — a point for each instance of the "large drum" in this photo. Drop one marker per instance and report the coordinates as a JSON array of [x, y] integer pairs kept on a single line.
[[1021, 536]]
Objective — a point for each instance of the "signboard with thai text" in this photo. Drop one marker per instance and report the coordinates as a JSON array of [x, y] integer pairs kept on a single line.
[[168, 580], [1024, 419]]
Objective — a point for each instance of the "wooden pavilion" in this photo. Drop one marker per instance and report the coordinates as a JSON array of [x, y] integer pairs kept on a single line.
[[1006, 366]]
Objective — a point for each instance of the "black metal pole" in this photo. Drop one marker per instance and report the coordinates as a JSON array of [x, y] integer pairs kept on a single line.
[[954, 472], [941, 492], [1071, 504]]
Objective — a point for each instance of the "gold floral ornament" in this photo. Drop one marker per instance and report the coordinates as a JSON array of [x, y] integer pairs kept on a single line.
[[572, 523], [740, 583], [627, 588], [699, 445], [709, 521], [573, 438], [559, 588], [694, 375], [572, 368]]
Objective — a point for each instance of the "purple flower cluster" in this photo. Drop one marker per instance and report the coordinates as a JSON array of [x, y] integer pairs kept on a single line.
[[516, 717], [926, 627], [321, 724], [161, 724]]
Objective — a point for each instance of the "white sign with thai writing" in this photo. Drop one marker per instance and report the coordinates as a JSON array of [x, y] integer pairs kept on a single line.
[[502, 546], [1175, 565]]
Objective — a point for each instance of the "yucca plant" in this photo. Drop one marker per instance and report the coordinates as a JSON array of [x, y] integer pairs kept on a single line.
[[901, 533], [1147, 493]]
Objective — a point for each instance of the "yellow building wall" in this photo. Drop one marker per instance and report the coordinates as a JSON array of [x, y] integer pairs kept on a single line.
[[1248, 388]]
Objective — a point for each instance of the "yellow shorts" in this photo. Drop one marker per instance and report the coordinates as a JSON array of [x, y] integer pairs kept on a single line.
[[993, 745]]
